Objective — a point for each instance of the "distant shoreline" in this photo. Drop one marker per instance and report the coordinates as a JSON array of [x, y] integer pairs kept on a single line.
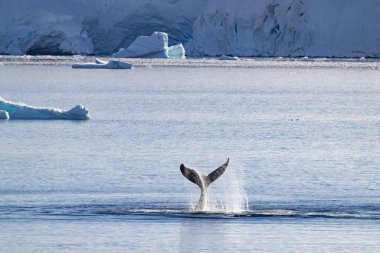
[[244, 62]]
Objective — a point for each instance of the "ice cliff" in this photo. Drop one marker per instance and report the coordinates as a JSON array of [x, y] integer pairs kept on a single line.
[[332, 28]]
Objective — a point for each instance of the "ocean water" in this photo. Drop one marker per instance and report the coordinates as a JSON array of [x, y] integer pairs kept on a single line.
[[303, 143]]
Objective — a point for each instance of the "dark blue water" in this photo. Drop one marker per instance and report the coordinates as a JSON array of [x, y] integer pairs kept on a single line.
[[303, 147]]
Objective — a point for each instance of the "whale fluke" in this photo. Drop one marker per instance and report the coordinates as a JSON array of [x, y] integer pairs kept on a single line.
[[217, 173], [192, 175], [203, 181]]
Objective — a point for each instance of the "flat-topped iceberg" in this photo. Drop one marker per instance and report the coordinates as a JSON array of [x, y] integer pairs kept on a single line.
[[153, 46], [11, 110], [99, 64]]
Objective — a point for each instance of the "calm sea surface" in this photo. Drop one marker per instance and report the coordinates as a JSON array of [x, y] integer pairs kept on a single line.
[[303, 143]]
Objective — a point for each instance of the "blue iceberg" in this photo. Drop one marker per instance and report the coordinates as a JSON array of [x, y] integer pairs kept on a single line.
[[11, 110], [176, 52], [153, 46]]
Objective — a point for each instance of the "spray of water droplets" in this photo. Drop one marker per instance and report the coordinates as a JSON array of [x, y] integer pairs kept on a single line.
[[226, 196]]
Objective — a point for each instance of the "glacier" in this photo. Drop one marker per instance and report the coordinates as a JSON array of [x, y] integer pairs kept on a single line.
[[243, 28], [12, 110]]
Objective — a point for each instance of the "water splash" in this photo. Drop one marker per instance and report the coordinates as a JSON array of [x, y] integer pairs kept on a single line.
[[228, 197]]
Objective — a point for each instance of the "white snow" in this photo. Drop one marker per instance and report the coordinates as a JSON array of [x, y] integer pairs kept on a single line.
[[332, 28], [99, 64], [11, 110], [153, 46]]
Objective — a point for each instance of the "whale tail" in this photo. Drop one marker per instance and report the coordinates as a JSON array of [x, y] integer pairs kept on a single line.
[[201, 180]]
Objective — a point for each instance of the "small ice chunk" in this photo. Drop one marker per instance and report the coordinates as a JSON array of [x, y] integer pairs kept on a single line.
[[100, 64], [228, 58], [79, 110], [118, 65], [176, 51], [4, 114], [98, 61]]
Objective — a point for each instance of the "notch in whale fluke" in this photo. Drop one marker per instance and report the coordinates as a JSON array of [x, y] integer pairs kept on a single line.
[[201, 180]]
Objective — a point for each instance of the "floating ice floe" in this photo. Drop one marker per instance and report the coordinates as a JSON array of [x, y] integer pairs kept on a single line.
[[153, 46], [99, 64], [11, 110], [228, 58]]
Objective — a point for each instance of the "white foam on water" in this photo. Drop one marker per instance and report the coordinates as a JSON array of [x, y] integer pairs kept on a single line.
[[229, 197]]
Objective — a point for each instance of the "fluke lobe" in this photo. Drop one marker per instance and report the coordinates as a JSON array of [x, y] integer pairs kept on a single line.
[[203, 182]]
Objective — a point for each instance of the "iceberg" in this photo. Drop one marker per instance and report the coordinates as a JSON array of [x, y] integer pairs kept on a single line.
[[99, 64], [153, 46], [228, 58], [145, 46], [176, 52], [11, 110]]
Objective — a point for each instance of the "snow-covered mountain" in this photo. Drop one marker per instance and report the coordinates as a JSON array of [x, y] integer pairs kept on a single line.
[[332, 28]]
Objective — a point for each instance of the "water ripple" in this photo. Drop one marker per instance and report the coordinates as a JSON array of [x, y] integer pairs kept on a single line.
[[119, 212]]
